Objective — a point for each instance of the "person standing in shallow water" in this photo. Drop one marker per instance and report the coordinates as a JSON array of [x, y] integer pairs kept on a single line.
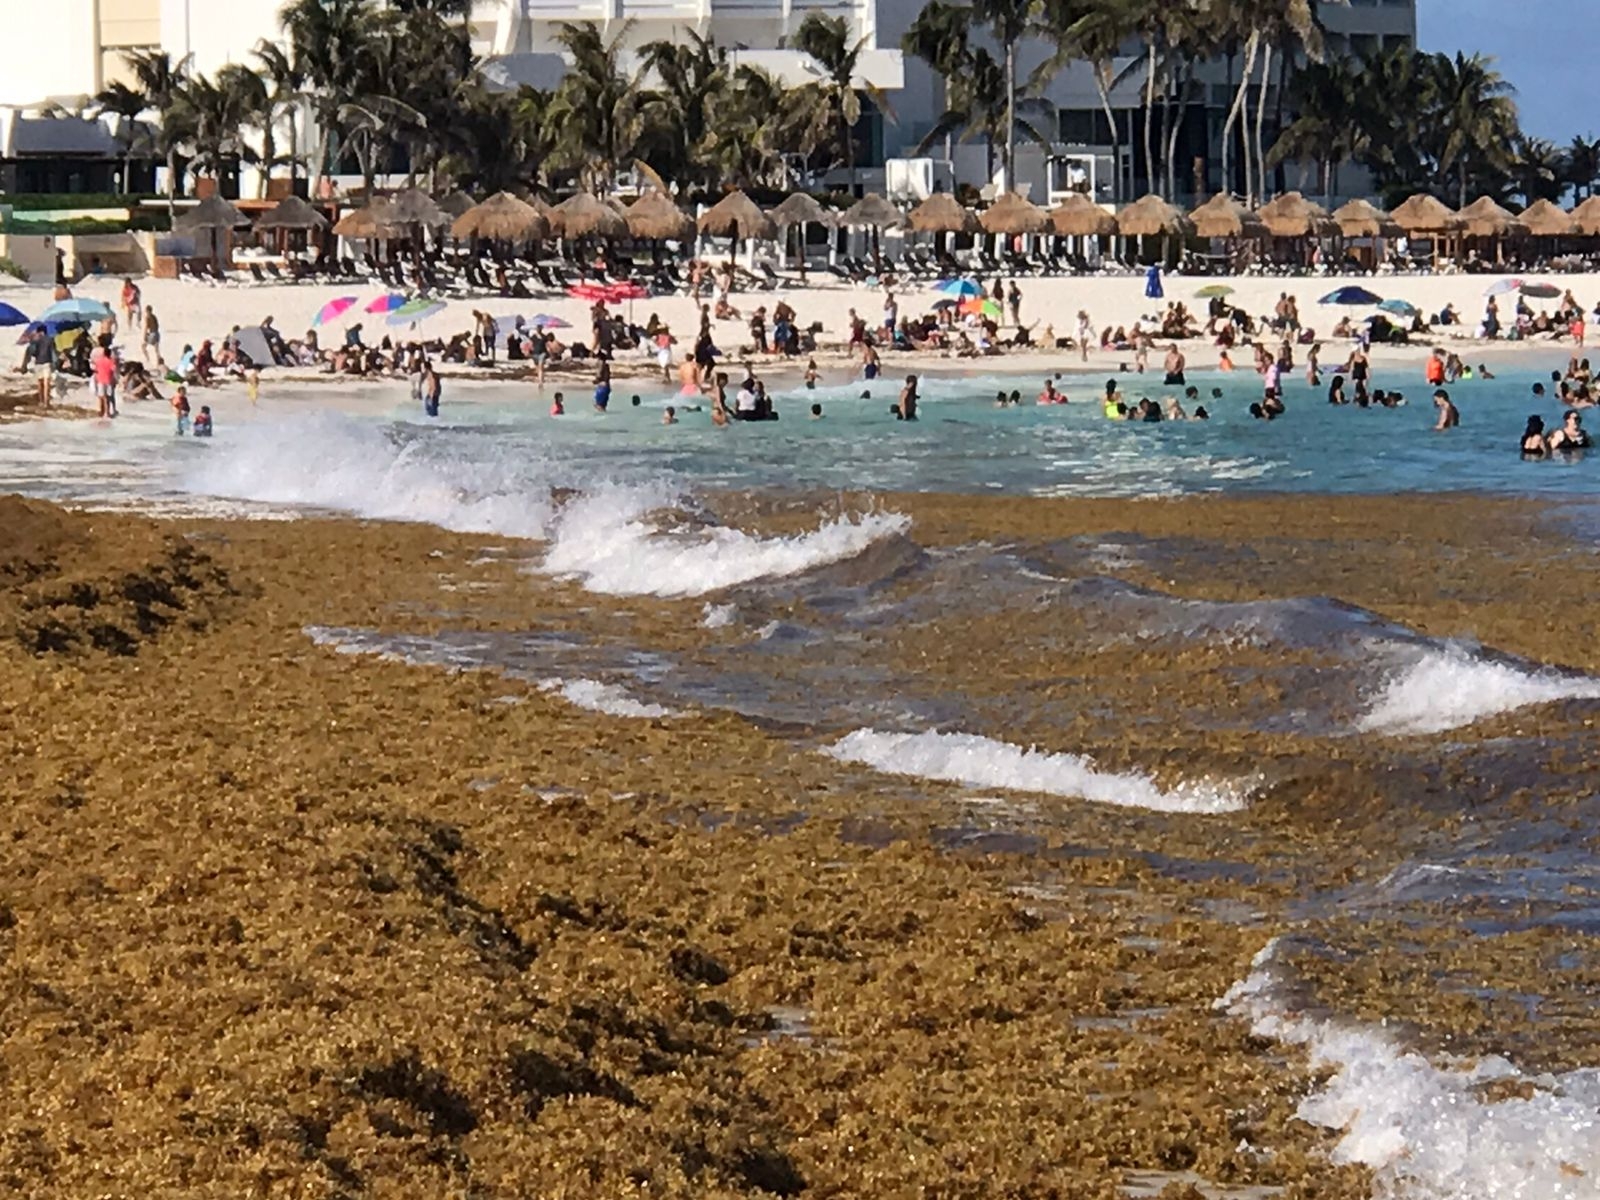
[[431, 390], [906, 410], [1449, 416]]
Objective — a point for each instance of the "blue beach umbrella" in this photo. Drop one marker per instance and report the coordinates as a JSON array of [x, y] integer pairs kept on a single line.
[[11, 316], [1352, 297], [1403, 308], [961, 289], [79, 308]]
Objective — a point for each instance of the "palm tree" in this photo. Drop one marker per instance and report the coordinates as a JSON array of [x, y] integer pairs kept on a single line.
[[211, 117], [835, 98], [595, 116], [977, 101], [250, 102], [1091, 31], [688, 78], [1475, 115], [1582, 166], [1537, 170], [126, 104], [161, 81], [1268, 26], [1328, 127], [1008, 21], [279, 68], [329, 41], [760, 117]]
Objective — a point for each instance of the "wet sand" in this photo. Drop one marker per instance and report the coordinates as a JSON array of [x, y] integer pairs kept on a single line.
[[280, 921]]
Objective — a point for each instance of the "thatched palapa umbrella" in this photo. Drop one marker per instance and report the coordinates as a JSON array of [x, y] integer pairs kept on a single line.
[[373, 222], [1361, 219], [736, 216], [414, 207], [551, 214], [291, 213], [1079, 216], [1484, 218], [1543, 218], [802, 210], [211, 214], [216, 219], [942, 213], [1011, 215], [501, 218], [875, 213], [586, 215], [1291, 215], [455, 204], [655, 217], [1587, 217], [1224, 217], [1425, 214], [1149, 216]]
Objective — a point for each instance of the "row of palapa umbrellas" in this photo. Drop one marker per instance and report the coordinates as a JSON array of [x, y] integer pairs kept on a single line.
[[655, 216]]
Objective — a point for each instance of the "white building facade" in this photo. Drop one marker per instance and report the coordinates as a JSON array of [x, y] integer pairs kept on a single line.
[[77, 49]]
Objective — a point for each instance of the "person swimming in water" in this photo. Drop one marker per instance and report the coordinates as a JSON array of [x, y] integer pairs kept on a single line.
[[1200, 414], [558, 405], [1571, 435], [1449, 416], [670, 417], [816, 412], [1534, 444], [1336, 391]]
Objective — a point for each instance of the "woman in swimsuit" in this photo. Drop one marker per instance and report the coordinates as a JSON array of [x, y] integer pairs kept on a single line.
[[1533, 440]]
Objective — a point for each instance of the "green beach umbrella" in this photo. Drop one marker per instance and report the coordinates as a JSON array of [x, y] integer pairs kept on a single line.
[[1213, 289]]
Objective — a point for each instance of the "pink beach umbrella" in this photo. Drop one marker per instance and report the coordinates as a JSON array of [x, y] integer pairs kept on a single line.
[[387, 304], [334, 309]]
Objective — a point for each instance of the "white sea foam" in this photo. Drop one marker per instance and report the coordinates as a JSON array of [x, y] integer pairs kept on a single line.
[[1448, 688], [719, 616], [337, 462], [605, 698], [607, 542], [986, 763], [1426, 1130]]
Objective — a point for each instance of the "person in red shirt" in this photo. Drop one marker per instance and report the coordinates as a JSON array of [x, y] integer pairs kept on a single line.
[[103, 366]]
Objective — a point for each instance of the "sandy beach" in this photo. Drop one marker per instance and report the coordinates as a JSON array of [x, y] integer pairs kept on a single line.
[[191, 311]]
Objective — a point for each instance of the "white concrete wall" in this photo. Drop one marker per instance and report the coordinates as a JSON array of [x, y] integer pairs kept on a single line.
[[50, 51], [217, 32]]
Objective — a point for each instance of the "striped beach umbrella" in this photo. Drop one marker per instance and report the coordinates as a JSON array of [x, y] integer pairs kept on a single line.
[[333, 310]]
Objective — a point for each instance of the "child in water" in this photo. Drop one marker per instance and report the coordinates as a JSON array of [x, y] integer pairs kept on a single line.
[[202, 423], [558, 405], [811, 375], [180, 408]]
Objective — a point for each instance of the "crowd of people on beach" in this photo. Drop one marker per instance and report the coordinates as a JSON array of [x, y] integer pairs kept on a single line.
[[965, 325]]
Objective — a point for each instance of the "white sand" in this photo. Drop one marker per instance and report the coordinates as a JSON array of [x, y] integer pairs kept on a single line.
[[190, 311]]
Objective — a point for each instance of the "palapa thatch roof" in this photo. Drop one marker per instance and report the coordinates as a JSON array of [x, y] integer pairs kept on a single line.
[[586, 215], [941, 213], [501, 218], [291, 213], [1424, 214], [1484, 218], [1079, 216], [211, 213], [1543, 218], [656, 217], [1150, 215], [375, 220], [1587, 216], [736, 215], [551, 214], [1292, 215], [1224, 217], [1361, 219], [455, 204], [872, 211], [801, 209], [1011, 214], [412, 206]]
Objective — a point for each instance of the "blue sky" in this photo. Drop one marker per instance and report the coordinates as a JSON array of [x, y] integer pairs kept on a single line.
[[1545, 48]]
